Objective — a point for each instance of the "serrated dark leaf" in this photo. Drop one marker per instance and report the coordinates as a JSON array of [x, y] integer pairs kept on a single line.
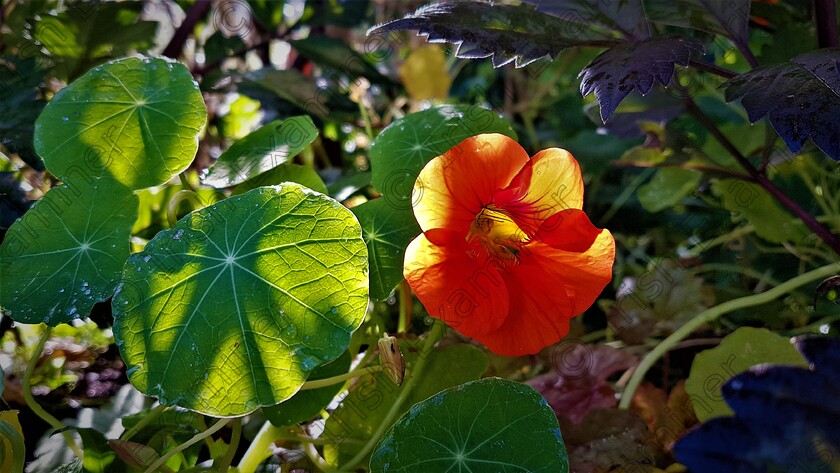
[[728, 18], [823, 353], [626, 16], [801, 98], [635, 66], [709, 447], [504, 32]]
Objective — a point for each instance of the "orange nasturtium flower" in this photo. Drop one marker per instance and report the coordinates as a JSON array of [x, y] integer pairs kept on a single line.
[[506, 256]]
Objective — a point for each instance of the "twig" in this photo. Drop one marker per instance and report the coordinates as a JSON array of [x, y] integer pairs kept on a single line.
[[196, 13], [712, 69], [825, 16], [823, 232]]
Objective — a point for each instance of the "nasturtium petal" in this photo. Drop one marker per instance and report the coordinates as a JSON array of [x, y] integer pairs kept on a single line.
[[66, 253], [273, 144], [491, 424], [402, 149], [232, 308], [387, 232], [136, 120]]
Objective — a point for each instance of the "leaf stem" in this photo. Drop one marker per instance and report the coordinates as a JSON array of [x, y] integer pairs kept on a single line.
[[175, 203], [146, 420], [321, 383], [258, 450], [713, 313], [34, 406], [180, 448], [435, 333], [405, 307], [712, 69], [823, 232], [235, 436]]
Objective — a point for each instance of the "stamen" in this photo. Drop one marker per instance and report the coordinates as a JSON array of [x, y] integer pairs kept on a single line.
[[493, 234]]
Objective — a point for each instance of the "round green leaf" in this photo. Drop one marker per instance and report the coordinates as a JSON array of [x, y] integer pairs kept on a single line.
[[738, 352], [401, 150], [387, 232], [273, 144], [135, 119], [487, 425], [232, 308], [307, 404], [66, 253]]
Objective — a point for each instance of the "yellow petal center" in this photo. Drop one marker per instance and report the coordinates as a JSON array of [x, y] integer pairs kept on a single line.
[[494, 234]]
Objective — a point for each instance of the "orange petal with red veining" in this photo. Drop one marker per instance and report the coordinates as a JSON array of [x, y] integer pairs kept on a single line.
[[453, 287], [453, 188]]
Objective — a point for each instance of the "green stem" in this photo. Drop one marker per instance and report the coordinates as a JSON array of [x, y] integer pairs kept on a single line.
[[366, 119], [321, 383], [258, 450], [713, 313], [225, 461], [34, 406], [146, 420], [175, 202], [435, 334], [180, 448], [405, 307]]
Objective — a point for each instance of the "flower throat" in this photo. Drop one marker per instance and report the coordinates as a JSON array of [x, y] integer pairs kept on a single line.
[[495, 235]]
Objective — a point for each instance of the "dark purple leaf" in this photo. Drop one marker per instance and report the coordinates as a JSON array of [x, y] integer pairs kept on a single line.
[[635, 66], [729, 18], [626, 125], [784, 418], [577, 382], [823, 353], [503, 32], [801, 98], [625, 16]]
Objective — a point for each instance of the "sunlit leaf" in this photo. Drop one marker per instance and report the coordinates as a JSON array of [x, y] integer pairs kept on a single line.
[[12, 444], [488, 425], [635, 66], [98, 455], [232, 309], [387, 231], [134, 120], [273, 144], [799, 97], [303, 175], [424, 74], [401, 150], [306, 404], [66, 253]]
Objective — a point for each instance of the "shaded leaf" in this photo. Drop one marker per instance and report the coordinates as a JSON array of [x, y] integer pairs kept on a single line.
[[307, 404], [667, 188], [134, 120], [576, 383], [488, 425], [303, 175], [800, 97], [751, 202], [13, 201], [271, 145], [365, 407], [271, 284], [20, 107], [402, 149], [339, 56], [387, 232], [635, 66], [506, 33], [740, 350], [98, 455], [66, 253], [606, 439], [302, 91]]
